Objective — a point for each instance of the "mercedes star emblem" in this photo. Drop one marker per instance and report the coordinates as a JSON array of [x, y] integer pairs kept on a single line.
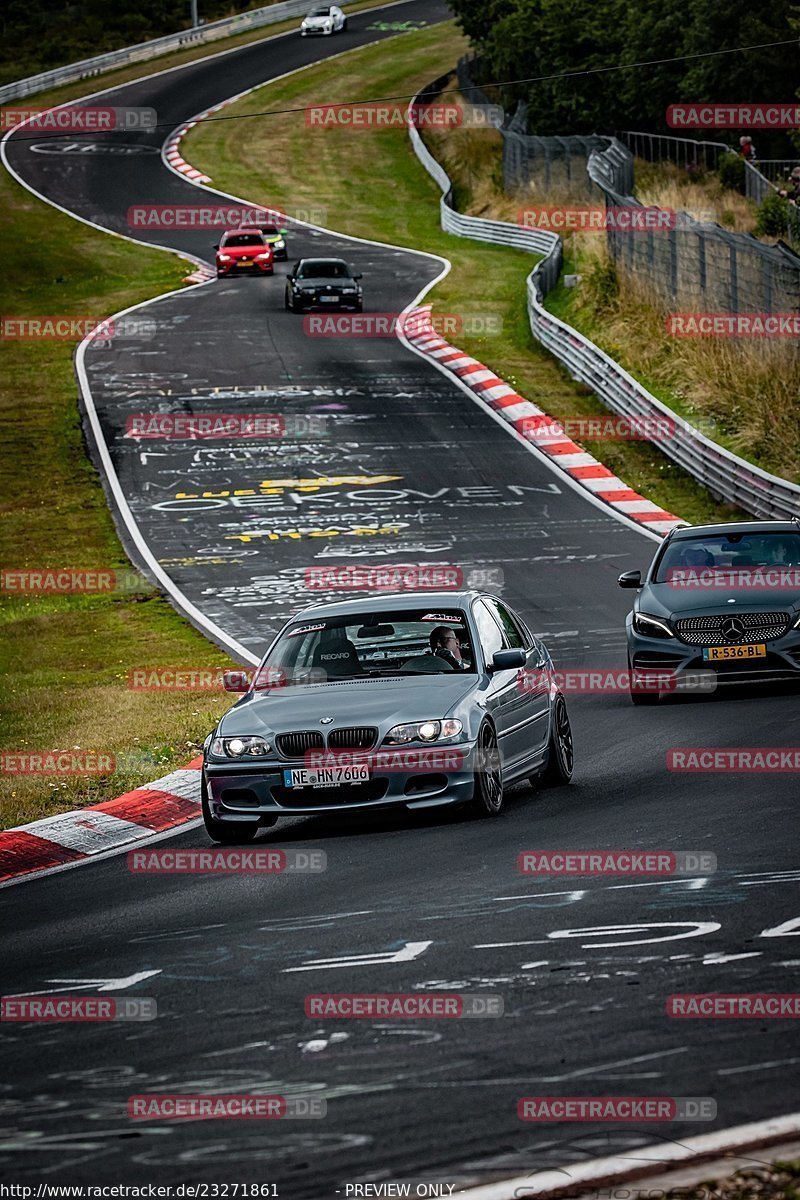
[[732, 629]]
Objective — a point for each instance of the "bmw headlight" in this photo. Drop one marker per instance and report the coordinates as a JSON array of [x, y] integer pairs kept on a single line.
[[239, 747], [796, 622], [651, 626], [423, 731]]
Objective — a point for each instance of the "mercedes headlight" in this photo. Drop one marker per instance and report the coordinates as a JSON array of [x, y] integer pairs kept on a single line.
[[423, 731], [239, 747], [651, 626]]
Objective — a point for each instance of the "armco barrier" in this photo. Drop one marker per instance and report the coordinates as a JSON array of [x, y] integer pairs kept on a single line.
[[726, 476], [89, 67]]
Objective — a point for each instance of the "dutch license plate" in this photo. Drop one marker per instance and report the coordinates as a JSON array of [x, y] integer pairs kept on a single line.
[[725, 653], [244, 262], [321, 777]]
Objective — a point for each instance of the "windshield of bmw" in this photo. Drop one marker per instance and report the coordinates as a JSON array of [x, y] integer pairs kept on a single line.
[[728, 553], [320, 12], [397, 642], [323, 270], [244, 239]]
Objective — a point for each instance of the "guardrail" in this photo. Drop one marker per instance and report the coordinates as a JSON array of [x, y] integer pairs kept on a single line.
[[726, 476], [89, 67]]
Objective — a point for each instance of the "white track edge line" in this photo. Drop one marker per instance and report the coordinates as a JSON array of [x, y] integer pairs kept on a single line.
[[679, 1154]]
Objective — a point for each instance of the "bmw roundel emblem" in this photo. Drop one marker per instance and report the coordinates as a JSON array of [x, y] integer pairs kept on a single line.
[[326, 721]]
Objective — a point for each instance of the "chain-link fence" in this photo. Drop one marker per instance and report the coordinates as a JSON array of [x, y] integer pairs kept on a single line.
[[691, 264]]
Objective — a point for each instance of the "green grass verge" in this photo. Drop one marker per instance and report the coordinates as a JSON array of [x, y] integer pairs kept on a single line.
[[373, 186], [65, 659]]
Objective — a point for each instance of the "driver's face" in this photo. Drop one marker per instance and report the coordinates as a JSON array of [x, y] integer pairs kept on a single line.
[[450, 642]]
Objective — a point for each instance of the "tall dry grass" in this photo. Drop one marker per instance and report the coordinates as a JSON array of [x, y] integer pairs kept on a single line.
[[747, 392]]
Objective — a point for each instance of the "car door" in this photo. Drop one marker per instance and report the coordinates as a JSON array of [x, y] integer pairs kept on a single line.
[[528, 724], [502, 696]]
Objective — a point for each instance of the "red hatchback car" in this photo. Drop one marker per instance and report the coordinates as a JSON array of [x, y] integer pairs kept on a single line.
[[244, 252]]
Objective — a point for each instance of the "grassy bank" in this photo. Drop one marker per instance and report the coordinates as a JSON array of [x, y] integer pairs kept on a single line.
[[65, 659], [373, 186]]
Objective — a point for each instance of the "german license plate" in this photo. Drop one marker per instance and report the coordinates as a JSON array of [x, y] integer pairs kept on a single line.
[[329, 299], [322, 777], [725, 653]]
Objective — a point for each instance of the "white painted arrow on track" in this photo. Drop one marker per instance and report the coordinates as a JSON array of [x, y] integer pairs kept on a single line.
[[405, 954], [102, 985]]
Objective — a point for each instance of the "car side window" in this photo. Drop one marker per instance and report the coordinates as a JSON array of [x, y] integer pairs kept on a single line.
[[488, 630], [512, 635]]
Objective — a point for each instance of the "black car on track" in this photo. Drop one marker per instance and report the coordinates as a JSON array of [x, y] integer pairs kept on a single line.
[[323, 283]]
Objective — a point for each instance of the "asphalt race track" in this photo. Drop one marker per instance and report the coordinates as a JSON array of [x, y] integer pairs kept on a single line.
[[410, 470]]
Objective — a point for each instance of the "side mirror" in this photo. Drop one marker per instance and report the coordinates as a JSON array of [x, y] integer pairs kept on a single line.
[[630, 579], [283, 229], [507, 660], [237, 680], [358, 276], [216, 245]]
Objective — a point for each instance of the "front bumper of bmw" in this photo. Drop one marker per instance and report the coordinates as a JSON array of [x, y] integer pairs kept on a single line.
[[425, 777]]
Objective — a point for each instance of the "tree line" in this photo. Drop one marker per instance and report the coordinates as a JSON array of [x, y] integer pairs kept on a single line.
[[520, 39]]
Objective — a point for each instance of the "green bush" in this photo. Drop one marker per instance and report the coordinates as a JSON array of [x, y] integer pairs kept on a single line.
[[731, 172], [773, 216]]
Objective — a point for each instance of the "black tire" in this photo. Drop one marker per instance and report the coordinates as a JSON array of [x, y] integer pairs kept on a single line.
[[296, 305], [359, 307], [228, 833], [286, 299], [560, 755], [641, 696], [487, 798], [344, 26]]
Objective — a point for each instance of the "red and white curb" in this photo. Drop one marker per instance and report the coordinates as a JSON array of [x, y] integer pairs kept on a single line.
[[201, 275], [534, 424], [174, 157], [73, 837]]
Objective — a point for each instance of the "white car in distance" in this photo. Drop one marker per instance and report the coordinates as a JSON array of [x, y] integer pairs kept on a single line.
[[324, 19]]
